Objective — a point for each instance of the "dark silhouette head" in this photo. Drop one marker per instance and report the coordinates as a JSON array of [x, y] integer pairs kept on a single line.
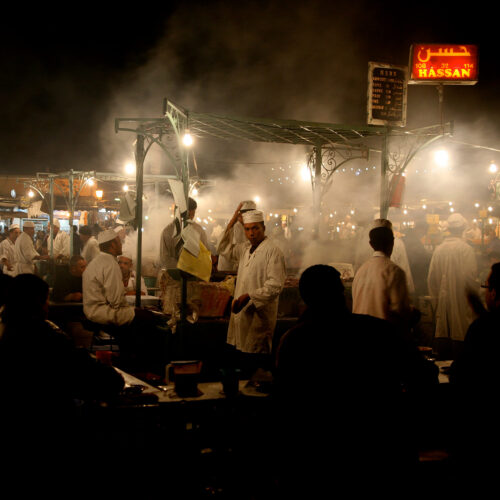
[[320, 287]]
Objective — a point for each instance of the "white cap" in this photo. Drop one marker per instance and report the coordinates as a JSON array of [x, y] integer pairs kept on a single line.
[[117, 229], [456, 221], [253, 216], [382, 223], [248, 205], [106, 235], [14, 226], [56, 222], [28, 223]]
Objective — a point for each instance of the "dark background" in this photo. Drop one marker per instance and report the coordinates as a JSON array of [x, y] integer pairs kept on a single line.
[[69, 71]]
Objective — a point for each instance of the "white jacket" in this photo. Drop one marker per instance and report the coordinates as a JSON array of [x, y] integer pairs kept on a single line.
[[61, 244], [7, 251], [104, 294], [90, 249], [262, 275], [25, 254], [452, 272]]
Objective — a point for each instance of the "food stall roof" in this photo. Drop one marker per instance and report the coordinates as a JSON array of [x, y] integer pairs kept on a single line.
[[204, 125]]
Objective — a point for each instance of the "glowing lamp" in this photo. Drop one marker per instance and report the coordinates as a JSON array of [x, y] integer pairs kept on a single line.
[[493, 169], [187, 139], [99, 193], [130, 169]]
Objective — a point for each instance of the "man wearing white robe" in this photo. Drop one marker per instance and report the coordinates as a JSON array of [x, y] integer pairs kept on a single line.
[[379, 288], [452, 274], [90, 248], [260, 280], [61, 245], [103, 292], [25, 250], [142, 346], [399, 256], [8, 252]]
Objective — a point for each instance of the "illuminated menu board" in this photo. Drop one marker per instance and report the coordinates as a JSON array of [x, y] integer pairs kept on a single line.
[[387, 90], [443, 63]]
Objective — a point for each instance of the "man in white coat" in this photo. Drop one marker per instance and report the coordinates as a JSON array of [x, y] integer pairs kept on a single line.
[[142, 346], [379, 288], [90, 247], [452, 275], [61, 249], [260, 280], [399, 256], [7, 251], [25, 250]]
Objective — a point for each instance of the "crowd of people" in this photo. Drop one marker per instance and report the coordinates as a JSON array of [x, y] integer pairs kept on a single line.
[[314, 359]]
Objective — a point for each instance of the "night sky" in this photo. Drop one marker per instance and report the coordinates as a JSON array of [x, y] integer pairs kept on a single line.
[[67, 74]]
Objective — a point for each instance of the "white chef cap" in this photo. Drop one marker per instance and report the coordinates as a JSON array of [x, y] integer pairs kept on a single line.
[[382, 223], [56, 223], [248, 205], [14, 226], [456, 221], [28, 223], [106, 235], [253, 216]]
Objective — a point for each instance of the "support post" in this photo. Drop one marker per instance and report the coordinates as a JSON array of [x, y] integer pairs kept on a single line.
[[71, 203], [384, 187], [317, 190], [139, 170]]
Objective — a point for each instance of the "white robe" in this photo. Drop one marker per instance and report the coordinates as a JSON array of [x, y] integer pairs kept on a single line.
[[8, 251], [379, 289], [364, 251], [90, 249], [104, 294], [132, 284], [61, 244], [25, 254], [452, 272], [262, 275], [224, 263]]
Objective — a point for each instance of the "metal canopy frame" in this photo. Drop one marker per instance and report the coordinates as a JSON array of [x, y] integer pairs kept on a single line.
[[332, 144]]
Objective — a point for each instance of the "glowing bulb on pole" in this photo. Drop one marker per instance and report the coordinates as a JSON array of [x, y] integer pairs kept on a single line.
[[256, 199], [305, 174], [493, 169], [99, 193], [441, 158], [31, 193], [187, 139], [125, 187], [130, 169]]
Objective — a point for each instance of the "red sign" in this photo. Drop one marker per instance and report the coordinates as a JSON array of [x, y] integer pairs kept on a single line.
[[444, 63]]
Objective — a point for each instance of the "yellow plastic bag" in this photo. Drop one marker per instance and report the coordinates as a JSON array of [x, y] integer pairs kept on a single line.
[[200, 266]]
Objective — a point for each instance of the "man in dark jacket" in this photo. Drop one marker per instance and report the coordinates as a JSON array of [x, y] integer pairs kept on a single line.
[[346, 388]]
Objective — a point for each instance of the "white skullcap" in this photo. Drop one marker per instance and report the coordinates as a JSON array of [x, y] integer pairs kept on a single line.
[[106, 235], [253, 216], [14, 226], [117, 229], [28, 223], [382, 223], [456, 221], [248, 205], [56, 222]]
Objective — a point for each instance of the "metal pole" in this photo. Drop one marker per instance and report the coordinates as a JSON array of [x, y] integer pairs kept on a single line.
[[317, 190], [71, 212], [139, 168], [384, 167]]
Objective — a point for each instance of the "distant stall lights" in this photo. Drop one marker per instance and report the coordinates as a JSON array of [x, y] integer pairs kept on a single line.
[[99, 193], [31, 193], [125, 187]]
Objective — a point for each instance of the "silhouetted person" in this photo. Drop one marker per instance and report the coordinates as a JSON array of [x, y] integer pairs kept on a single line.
[[475, 379], [346, 386], [44, 384]]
